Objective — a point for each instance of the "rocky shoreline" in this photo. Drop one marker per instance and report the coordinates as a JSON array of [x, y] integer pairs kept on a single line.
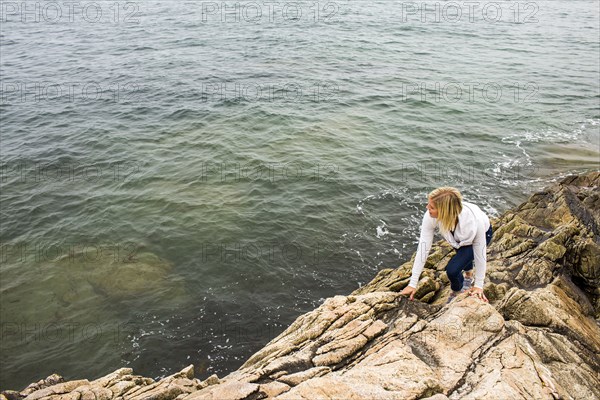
[[538, 338]]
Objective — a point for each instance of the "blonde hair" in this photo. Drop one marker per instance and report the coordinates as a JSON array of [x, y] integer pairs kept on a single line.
[[448, 202]]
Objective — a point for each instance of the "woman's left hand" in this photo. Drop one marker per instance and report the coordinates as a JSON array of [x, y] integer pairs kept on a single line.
[[475, 291]]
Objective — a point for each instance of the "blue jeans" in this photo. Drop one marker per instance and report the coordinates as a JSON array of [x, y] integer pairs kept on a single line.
[[463, 261]]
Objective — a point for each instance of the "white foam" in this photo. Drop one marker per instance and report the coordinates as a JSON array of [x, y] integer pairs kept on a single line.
[[520, 140], [382, 229]]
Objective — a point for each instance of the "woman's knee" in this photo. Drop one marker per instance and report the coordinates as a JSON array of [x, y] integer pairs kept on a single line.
[[453, 273]]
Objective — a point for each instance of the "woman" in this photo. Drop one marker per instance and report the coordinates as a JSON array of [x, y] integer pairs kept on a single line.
[[467, 229]]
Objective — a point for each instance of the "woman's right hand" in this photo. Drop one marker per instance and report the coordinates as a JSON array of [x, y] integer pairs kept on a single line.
[[409, 290]]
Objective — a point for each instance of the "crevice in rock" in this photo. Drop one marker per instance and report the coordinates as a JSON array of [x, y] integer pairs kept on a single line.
[[420, 350], [358, 354], [578, 210], [537, 372], [480, 355], [430, 391]]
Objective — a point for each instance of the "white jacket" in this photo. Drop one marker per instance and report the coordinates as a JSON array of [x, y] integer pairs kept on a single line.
[[470, 230]]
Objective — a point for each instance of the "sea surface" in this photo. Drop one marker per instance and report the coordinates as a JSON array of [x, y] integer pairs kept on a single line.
[[182, 179]]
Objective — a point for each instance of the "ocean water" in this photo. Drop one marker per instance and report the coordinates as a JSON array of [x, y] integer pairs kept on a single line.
[[181, 180]]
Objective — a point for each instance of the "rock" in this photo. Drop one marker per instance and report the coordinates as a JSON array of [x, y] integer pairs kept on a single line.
[[537, 338], [120, 384], [59, 388], [273, 388], [121, 387], [10, 395], [115, 376], [187, 372], [211, 380], [41, 384], [299, 377], [230, 391], [438, 396]]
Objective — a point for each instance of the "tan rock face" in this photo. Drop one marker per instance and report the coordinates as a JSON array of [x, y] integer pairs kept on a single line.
[[537, 338], [121, 384]]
